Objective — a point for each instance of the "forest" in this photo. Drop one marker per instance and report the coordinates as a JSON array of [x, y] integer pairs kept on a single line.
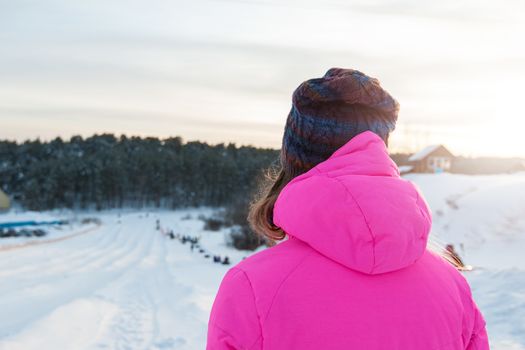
[[107, 171]]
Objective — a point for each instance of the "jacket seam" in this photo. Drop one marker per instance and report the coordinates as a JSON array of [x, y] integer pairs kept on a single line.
[[225, 332], [214, 324], [479, 323], [282, 283], [256, 310], [426, 217], [364, 218]]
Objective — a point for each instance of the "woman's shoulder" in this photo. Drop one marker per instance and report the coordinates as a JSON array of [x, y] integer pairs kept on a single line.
[[283, 256], [265, 271], [247, 292]]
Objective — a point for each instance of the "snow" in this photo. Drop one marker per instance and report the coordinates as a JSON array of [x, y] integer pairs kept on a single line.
[[486, 214], [405, 169], [125, 285], [423, 153]]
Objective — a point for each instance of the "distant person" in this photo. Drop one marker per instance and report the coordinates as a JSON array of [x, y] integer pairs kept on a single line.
[[352, 271], [226, 261], [451, 252]]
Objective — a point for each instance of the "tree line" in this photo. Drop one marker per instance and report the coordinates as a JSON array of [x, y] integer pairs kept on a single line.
[[106, 171]]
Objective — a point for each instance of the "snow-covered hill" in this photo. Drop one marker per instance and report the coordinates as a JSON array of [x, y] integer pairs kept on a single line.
[[486, 216], [126, 285]]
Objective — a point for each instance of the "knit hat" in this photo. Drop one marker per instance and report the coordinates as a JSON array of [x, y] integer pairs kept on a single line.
[[327, 112]]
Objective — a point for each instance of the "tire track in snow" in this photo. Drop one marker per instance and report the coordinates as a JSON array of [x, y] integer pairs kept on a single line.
[[135, 326]]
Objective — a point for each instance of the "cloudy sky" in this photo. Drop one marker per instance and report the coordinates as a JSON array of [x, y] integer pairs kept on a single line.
[[224, 70]]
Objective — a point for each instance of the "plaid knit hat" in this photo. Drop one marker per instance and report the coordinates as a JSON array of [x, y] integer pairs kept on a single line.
[[327, 112]]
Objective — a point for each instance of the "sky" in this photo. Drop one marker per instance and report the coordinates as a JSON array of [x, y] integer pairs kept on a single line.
[[224, 70]]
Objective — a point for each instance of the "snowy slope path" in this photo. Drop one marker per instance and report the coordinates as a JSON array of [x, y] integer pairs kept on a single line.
[[115, 288]]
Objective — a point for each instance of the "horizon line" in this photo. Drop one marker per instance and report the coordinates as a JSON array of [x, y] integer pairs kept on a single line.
[[225, 142]]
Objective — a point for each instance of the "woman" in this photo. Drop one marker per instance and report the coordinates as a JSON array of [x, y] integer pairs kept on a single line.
[[352, 270]]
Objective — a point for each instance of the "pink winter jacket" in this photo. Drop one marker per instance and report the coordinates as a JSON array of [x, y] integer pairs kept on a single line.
[[354, 272]]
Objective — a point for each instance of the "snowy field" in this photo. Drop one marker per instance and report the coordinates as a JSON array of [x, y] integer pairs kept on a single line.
[[125, 285]]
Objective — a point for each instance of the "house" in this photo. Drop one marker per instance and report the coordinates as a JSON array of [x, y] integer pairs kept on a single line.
[[4, 201], [431, 159]]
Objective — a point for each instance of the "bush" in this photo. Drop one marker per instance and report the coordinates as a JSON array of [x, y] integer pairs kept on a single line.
[[90, 220], [242, 237], [213, 224]]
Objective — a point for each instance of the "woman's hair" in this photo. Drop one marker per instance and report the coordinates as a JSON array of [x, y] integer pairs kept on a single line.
[[260, 216]]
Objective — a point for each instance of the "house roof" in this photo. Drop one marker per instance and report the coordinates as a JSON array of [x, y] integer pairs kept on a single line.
[[423, 153], [405, 168]]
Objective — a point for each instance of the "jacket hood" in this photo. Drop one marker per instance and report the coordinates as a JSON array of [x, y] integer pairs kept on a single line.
[[355, 209]]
